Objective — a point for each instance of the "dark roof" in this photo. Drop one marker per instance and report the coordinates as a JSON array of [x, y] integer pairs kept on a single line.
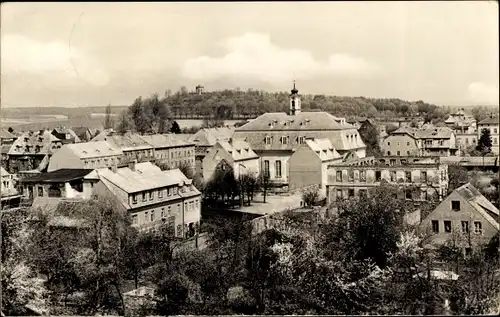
[[58, 176], [80, 131], [494, 120]]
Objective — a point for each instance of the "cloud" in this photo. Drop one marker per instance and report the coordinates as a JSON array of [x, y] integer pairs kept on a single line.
[[255, 56], [56, 61], [483, 93]]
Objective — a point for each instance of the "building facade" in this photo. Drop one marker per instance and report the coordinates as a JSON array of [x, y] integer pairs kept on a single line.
[[133, 147], [204, 139], [492, 124], [9, 195], [234, 153], [87, 155], [154, 197], [465, 215], [353, 179], [461, 122], [171, 151], [309, 164], [67, 136], [436, 141], [275, 136]]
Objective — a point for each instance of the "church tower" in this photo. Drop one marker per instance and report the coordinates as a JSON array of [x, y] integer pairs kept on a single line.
[[294, 101]]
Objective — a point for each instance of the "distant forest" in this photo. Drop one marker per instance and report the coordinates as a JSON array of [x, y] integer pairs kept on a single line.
[[237, 104]]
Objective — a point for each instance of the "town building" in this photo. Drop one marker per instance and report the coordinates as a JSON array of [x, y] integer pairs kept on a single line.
[[465, 140], [465, 216], [436, 141], [8, 193], [236, 154], [85, 133], [67, 136], [275, 136], [353, 179], [31, 151], [492, 123], [171, 151], [204, 139], [153, 197], [87, 155], [461, 122], [309, 164], [62, 183], [6, 137], [134, 148]]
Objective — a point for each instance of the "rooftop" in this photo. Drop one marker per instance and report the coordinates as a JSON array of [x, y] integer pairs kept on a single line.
[[210, 136], [491, 120], [166, 140], [324, 149], [38, 142], [4, 134], [59, 176], [280, 121], [238, 149], [94, 149]]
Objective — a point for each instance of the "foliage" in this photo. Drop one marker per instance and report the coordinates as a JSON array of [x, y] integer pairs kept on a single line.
[[222, 188], [108, 120], [369, 135], [150, 115], [310, 196], [175, 128], [457, 176], [484, 143]]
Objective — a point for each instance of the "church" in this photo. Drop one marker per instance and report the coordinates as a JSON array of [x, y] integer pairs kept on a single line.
[[275, 137]]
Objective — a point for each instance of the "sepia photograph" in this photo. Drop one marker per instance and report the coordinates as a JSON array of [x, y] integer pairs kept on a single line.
[[250, 158]]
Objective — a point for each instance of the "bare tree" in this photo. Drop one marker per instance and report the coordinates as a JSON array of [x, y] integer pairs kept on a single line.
[[108, 120]]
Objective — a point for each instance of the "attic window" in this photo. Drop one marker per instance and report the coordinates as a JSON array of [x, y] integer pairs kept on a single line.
[[84, 152], [239, 151], [40, 139]]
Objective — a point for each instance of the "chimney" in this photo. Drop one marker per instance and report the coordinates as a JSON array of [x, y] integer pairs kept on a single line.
[[114, 168], [131, 165]]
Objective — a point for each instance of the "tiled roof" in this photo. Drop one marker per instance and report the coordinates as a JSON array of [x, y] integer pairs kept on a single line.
[[479, 202], [80, 131], [58, 176], [323, 149], [144, 178], [165, 140], [124, 142], [210, 136], [72, 133], [35, 143], [428, 133], [3, 172], [493, 120], [94, 149], [238, 149], [280, 121], [4, 134]]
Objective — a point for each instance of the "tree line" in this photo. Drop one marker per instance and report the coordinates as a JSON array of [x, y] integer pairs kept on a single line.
[[361, 258]]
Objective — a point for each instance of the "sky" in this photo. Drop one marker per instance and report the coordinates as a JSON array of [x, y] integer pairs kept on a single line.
[[93, 54]]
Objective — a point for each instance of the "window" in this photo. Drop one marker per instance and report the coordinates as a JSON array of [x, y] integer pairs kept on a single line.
[[339, 194], [134, 219], [447, 226], [398, 143], [478, 227], [388, 152], [350, 192], [169, 192], [455, 205], [435, 226], [197, 203], [465, 227], [278, 169], [268, 140], [389, 143], [393, 176], [378, 176], [408, 194], [362, 193], [398, 153], [423, 176], [160, 193], [146, 218], [351, 175], [163, 213], [152, 215], [284, 140], [150, 195], [408, 177], [339, 176], [144, 196], [407, 143], [266, 168], [175, 190], [300, 140], [408, 153], [40, 191], [134, 199], [495, 141], [362, 176]]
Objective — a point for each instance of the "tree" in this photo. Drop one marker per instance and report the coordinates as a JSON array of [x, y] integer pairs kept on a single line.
[[457, 176], [108, 120], [369, 135], [265, 185], [124, 124], [484, 143], [310, 196], [175, 128], [187, 169]]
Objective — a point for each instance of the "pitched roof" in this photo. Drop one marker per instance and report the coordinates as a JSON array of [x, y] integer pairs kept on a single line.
[[427, 133], [165, 140], [4, 134], [491, 120], [80, 131], [3, 172], [323, 149], [145, 177], [210, 136], [73, 135], [124, 142], [479, 202], [238, 149], [38, 142], [280, 121], [59, 176], [93, 149]]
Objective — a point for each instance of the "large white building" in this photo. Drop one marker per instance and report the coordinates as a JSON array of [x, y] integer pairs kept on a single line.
[[276, 136], [492, 124]]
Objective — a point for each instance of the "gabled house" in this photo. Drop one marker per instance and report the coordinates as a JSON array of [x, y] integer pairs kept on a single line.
[[275, 136], [31, 151], [6, 137], [87, 155], [67, 136], [134, 148], [236, 154], [461, 122], [435, 141], [85, 133], [465, 216], [153, 197], [204, 139], [309, 164]]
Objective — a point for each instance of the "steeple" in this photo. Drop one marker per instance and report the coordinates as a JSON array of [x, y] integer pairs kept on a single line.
[[294, 101]]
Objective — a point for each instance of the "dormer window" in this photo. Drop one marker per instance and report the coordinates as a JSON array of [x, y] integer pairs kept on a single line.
[[284, 140], [300, 140], [268, 140], [40, 139], [26, 139]]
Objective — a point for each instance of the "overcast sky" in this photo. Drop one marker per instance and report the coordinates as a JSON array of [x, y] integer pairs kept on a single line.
[[76, 54]]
